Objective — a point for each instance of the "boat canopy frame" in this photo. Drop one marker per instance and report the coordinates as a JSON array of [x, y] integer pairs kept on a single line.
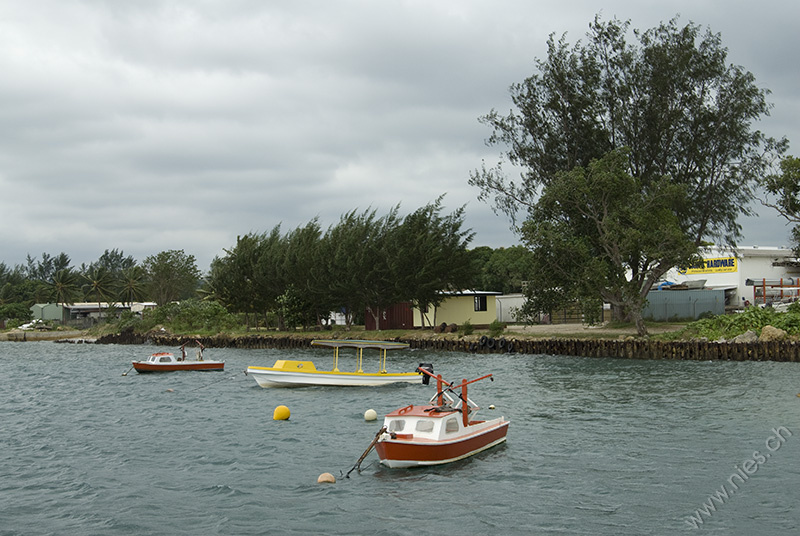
[[360, 345]]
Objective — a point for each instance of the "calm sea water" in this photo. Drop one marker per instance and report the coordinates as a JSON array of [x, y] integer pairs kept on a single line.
[[596, 446]]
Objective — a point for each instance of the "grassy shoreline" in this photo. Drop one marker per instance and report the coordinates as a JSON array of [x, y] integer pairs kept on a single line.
[[549, 331]]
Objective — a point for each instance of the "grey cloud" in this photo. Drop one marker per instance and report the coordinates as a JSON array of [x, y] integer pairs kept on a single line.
[[178, 124]]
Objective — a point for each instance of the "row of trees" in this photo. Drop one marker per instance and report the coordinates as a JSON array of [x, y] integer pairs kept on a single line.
[[362, 263], [113, 278]]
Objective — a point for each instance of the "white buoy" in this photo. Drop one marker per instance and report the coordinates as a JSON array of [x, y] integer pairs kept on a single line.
[[370, 415], [326, 478], [491, 406]]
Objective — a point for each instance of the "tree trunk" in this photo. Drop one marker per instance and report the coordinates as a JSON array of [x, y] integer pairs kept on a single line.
[[636, 317], [376, 317], [348, 318]]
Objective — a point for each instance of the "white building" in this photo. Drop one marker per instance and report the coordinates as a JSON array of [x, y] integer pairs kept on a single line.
[[749, 274], [508, 306]]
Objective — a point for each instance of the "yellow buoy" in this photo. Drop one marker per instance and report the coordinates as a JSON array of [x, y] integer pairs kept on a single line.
[[281, 413], [326, 478], [370, 415]]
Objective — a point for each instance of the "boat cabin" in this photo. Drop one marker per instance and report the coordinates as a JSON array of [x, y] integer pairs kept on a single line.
[[436, 423], [161, 357]]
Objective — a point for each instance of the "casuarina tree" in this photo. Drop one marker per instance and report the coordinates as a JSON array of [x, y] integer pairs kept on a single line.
[[659, 112]]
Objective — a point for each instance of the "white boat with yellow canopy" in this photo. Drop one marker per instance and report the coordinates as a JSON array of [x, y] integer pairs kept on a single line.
[[291, 373]]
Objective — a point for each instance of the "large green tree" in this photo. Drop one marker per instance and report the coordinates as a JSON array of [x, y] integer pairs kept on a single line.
[[43, 270], [269, 276], [172, 275], [785, 187], [112, 261], [11, 283], [236, 276], [429, 255], [305, 298], [671, 98], [357, 265], [250, 277], [598, 235], [503, 269]]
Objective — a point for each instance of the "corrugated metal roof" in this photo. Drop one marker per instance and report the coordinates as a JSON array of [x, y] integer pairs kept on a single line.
[[471, 293]]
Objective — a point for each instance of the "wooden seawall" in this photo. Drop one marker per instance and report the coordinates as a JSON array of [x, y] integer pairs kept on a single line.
[[626, 349]]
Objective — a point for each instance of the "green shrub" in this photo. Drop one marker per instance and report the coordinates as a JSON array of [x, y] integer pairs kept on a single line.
[[16, 313], [466, 328], [191, 315], [752, 318], [496, 328], [128, 320]]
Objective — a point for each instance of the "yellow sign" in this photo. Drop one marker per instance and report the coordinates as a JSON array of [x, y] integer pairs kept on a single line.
[[712, 266]]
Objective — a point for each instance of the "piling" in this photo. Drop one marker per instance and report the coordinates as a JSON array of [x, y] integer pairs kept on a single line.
[[788, 351]]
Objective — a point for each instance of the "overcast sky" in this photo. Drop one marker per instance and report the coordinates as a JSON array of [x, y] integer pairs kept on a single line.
[[154, 125]]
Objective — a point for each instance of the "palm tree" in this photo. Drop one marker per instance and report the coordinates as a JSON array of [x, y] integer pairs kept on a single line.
[[64, 286], [132, 284], [99, 284]]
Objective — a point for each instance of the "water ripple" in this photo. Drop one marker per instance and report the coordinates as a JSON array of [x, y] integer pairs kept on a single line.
[[596, 446]]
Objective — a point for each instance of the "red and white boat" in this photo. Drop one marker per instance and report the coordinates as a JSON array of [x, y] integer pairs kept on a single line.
[[166, 362], [442, 433]]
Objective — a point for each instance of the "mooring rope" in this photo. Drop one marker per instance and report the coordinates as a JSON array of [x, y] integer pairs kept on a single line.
[[369, 448], [214, 382]]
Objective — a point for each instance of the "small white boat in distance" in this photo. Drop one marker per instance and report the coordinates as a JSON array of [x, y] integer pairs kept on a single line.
[[167, 362], [292, 373]]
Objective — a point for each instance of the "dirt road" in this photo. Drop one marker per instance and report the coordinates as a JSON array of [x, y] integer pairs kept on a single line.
[[582, 330]]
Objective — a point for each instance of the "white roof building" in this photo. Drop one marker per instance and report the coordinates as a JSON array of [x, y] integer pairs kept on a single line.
[[745, 274]]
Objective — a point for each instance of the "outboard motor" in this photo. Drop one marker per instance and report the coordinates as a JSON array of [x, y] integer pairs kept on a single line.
[[425, 378]]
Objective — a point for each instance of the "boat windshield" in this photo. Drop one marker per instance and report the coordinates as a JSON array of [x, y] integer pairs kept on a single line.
[[397, 425], [451, 426], [424, 426]]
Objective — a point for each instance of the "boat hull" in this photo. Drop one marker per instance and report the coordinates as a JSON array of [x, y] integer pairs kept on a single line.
[[144, 367], [271, 377], [420, 452]]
